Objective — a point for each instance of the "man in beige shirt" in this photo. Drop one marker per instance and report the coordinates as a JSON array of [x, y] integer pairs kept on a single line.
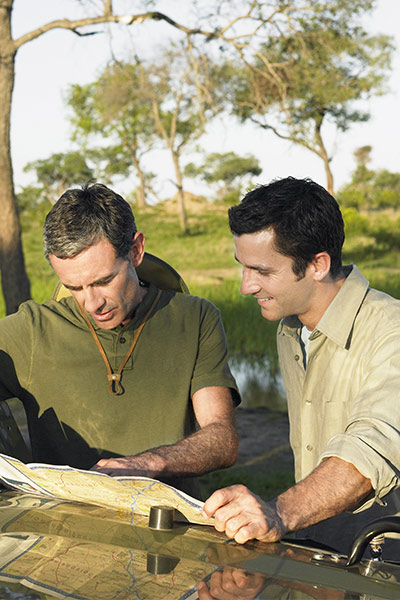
[[338, 344]]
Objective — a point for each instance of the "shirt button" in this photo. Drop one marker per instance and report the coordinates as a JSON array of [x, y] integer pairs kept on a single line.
[[309, 447], [308, 401], [296, 357], [122, 340]]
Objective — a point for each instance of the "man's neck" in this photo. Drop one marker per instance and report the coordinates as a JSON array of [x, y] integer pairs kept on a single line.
[[327, 291], [142, 291]]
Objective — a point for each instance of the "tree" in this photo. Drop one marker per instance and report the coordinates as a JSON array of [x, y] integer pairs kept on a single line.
[[228, 170], [369, 189], [137, 104], [114, 107], [362, 155], [236, 26], [60, 171], [171, 89], [322, 71]]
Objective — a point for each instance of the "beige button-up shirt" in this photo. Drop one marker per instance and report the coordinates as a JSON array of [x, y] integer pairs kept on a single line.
[[346, 402]]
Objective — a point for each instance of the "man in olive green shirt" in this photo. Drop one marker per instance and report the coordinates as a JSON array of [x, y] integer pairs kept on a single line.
[[120, 377], [338, 344]]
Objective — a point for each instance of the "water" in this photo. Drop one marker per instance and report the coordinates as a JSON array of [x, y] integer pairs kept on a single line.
[[259, 385]]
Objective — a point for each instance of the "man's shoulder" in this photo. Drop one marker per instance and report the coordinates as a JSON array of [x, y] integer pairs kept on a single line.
[[357, 302], [187, 302], [26, 311], [31, 312], [382, 305]]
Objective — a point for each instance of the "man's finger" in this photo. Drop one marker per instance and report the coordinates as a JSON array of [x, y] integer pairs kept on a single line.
[[203, 592], [221, 498]]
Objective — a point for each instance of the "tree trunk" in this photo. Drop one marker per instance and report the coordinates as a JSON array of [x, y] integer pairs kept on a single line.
[[14, 280], [169, 141], [324, 155], [329, 174], [141, 192], [181, 196]]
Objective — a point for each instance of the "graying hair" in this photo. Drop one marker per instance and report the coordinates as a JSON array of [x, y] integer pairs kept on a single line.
[[84, 216]]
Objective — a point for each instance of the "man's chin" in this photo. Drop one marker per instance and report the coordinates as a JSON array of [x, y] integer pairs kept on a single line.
[[107, 325], [269, 315], [107, 321]]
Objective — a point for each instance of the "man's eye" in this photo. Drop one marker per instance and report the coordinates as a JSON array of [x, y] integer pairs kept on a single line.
[[104, 282]]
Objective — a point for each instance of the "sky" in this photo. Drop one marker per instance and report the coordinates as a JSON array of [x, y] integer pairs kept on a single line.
[[47, 66]]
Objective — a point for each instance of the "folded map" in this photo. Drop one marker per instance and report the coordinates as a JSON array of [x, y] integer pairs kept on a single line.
[[128, 494]]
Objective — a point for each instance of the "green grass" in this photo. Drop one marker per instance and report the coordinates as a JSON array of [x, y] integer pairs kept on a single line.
[[248, 334], [208, 245], [265, 484]]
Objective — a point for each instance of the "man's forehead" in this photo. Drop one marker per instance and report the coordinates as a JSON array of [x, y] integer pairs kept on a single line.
[[258, 251], [258, 242], [92, 264]]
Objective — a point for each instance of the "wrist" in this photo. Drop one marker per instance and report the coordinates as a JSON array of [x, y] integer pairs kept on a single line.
[[151, 461], [286, 512]]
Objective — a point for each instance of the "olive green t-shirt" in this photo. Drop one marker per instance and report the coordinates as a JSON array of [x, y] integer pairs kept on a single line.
[[49, 359]]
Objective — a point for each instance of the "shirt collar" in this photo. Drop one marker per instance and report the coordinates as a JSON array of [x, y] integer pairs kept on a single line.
[[137, 317], [337, 321]]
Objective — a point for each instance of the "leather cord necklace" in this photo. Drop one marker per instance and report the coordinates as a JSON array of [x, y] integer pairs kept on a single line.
[[114, 379]]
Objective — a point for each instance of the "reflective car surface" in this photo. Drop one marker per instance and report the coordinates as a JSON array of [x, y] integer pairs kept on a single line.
[[53, 549]]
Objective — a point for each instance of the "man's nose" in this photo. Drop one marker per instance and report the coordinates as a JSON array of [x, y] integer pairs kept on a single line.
[[93, 299], [249, 283]]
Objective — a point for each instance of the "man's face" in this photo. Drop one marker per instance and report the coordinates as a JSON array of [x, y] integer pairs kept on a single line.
[[269, 277], [105, 286]]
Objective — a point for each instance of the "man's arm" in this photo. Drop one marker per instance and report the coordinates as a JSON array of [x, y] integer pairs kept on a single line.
[[213, 446], [333, 487]]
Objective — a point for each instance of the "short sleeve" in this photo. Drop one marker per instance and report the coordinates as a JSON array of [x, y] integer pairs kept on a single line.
[[211, 367]]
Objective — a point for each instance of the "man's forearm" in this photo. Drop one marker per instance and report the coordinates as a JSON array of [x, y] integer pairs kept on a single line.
[[333, 487], [212, 447]]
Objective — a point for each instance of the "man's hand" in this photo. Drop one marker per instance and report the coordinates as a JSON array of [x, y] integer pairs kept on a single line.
[[231, 583], [213, 446], [147, 464], [333, 487], [244, 516]]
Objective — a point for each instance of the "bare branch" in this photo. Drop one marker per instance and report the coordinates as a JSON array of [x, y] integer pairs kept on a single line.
[[108, 10], [107, 18], [290, 138]]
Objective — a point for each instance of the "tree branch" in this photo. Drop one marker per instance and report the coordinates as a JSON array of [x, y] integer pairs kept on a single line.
[[290, 138], [108, 17]]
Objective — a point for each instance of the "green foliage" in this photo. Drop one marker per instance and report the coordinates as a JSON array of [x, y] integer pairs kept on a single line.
[[115, 108], [228, 170], [55, 174], [386, 233], [371, 190], [134, 106], [61, 169], [354, 223], [32, 205], [314, 72], [325, 70], [225, 168], [231, 197], [362, 155]]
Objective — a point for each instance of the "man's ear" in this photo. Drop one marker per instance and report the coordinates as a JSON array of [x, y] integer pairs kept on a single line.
[[136, 252], [321, 264]]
